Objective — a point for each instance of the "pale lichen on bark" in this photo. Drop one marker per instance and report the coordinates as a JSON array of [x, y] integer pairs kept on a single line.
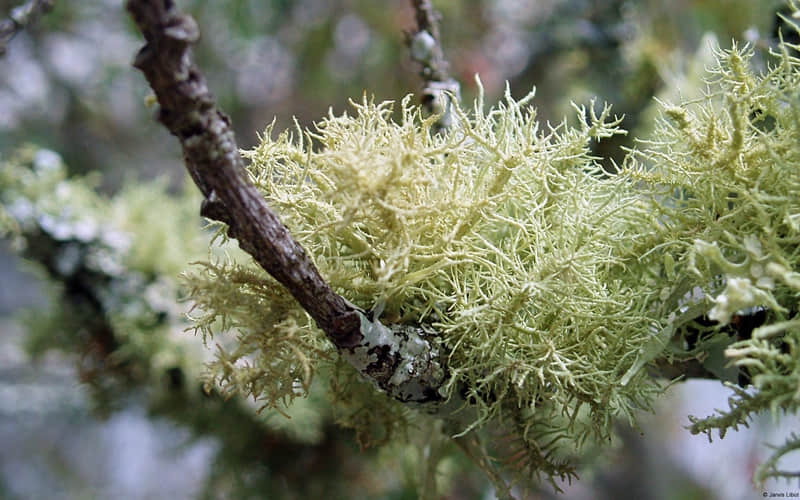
[[188, 110], [401, 359], [550, 283]]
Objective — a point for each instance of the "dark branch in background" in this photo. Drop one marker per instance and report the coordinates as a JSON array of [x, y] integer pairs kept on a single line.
[[709, 361], [19, 17], [189, 112], [426, 49]]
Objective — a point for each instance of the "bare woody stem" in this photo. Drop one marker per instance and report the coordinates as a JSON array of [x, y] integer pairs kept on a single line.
[[435, 67], [425, 44], [188, 110], [20, 17]]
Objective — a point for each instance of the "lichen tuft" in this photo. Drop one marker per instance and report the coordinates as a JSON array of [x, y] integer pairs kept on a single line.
[[552, 285]]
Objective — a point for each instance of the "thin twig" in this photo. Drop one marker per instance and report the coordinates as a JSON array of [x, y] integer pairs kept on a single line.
[[189, 112], [435, 66], [425, 44], [20, 17]]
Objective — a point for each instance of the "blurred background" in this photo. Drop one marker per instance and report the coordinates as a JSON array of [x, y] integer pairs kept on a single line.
[[66, 85]]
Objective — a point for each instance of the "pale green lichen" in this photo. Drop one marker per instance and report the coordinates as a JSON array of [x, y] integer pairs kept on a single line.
[[111, 269], [116, 311], [729, 169], [505, 238], [552, 285]]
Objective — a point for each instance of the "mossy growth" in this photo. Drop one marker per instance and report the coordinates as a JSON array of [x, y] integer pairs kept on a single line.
[[553, 285]]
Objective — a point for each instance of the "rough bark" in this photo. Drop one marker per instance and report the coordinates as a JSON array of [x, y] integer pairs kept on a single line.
[[188, 110], [435, 67]]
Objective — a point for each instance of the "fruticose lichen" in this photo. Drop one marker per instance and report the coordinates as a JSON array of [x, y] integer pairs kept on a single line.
[[728, 169], [552, 285]]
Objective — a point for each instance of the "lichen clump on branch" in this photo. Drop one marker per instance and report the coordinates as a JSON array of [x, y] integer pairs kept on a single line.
[[504, 237], [552, 284]]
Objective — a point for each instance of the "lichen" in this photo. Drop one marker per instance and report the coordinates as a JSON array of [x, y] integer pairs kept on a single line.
[[416, 373], [727, 169], [551, 284], [114, 269], [504, 238]]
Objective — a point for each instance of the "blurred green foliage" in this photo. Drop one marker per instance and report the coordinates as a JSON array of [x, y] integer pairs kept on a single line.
[[67, 84]]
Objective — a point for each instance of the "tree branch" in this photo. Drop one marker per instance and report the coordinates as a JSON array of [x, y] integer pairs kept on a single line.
[[20, 17], [435, 66], [189, 112], [425, 44]]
